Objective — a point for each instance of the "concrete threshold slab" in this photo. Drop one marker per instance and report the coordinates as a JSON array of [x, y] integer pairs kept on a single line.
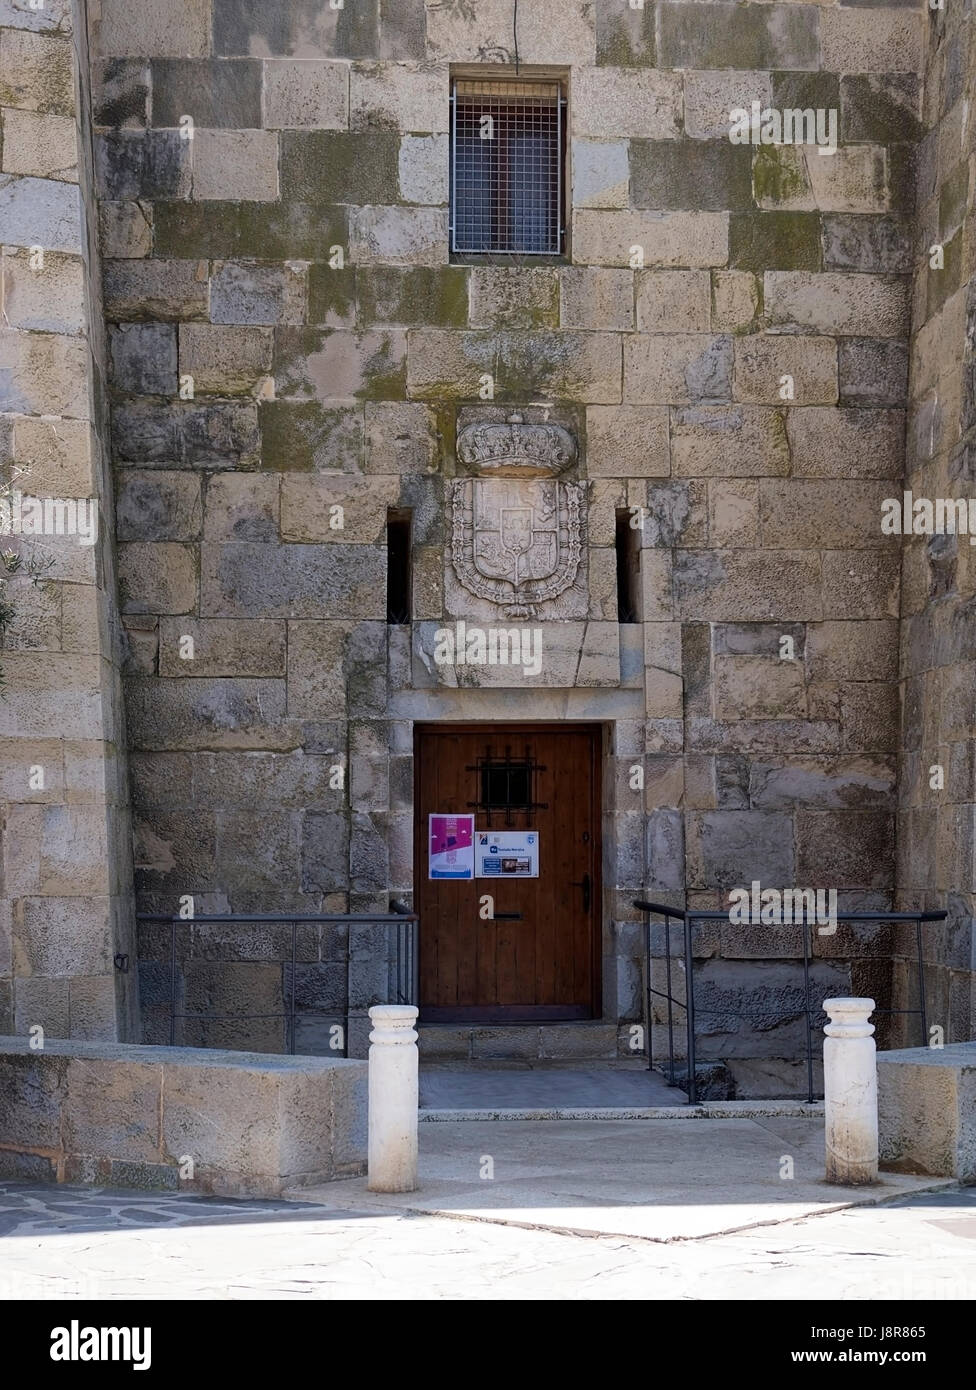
[[661, 1183], [707, 1110]]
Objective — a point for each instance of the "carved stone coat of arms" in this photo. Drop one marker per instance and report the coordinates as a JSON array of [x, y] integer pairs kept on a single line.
[[516, 533]]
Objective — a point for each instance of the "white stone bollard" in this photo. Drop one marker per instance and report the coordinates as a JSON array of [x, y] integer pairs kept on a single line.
[[850, 1092], [393, 1099]]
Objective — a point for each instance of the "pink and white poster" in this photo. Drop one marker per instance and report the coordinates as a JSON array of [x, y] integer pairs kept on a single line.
[[450, 847]]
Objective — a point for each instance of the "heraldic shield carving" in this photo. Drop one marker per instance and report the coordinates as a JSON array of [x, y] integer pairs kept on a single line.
[[516, 537]]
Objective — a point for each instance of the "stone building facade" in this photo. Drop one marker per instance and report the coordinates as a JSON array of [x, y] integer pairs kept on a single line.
[[742, 348]]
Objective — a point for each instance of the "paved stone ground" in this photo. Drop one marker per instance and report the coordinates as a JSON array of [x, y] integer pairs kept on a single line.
[[68, 1243], [721, 1224]]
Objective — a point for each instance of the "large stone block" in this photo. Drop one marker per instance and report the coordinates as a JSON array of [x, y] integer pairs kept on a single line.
[[223, 359], [52, 302], [157, 578], [845, 849], [401, 437], [575, 366], [729, 441], [305, 435], [144, 358], [748, 586], [673, 301], [762, 364], [712, 175], [678, 369], [257, 294], [238, 165], [155, 289], [843, 443], [860, 584], [823, 514], [347, 511], [516, 298], [304, 29], [242, 507], [44, 374], [652, 239], [221, 647], [323, 365], [398, 236], [177, 714], [262, 231], [728, 849], [871, 40], [36, 72], [594, 299], [627, 442], [926, 1102], [474, 33], [150, 165], [46, 146], [158, 505], [867, 243], [601, 173], [761, 241], [406, 97], [872, 371], [40, 212], [323, 166], [120, 92], [214, 93], [424, 169], [141, 28], [296, 581], [868, 305], [763, 36], [311, 95], [618, 103], [710, 97], [124, 229]]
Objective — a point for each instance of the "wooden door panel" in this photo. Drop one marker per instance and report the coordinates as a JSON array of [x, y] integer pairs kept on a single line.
[[546, 964]]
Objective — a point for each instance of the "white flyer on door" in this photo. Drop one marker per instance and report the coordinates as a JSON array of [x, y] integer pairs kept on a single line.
[[507, 854]]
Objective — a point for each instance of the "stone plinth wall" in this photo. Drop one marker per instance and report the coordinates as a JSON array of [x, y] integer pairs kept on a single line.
[[182, 1119], [66, 897], [937, 790]]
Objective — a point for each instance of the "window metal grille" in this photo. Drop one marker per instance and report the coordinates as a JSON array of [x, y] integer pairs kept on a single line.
[[507, 168]]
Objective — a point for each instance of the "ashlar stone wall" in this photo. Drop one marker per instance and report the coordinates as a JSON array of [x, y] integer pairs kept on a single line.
[[727, 337], [66, 899], [937, 790]]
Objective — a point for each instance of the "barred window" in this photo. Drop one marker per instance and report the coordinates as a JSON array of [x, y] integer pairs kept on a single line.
[[507, 184]]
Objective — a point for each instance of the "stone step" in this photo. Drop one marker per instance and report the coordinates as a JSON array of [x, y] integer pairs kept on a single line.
[[519, 1042]]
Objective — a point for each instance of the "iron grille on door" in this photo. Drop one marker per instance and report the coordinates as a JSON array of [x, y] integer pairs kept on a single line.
[[507, 168]]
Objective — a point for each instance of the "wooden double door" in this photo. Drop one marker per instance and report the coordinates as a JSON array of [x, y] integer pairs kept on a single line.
[[506, 946]]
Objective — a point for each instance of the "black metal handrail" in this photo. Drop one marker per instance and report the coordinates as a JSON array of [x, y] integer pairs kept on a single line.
[[690, 916], [406, 959]]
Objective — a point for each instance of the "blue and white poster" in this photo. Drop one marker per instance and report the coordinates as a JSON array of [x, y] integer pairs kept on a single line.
[[507, 854]]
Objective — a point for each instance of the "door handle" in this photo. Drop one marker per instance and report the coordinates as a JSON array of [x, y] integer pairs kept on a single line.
[[506, 917], [584, 883]]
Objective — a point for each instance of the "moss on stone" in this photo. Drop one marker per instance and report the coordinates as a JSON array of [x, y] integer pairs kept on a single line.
[[327, 166], [331, 295], [419, 296], [305, 436], [761, 241], [779, 175]]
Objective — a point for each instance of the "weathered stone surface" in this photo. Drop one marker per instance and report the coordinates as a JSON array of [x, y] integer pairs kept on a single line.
[[574, 366], [732, 586], [186, 714], [120, 93], [871, 40], [141, 28], [758, 687], [36, 72], [834, 443], [134, 164], [710, 176], [596, 299], [765, 36], [762, 363], [41, 145], [925, 1099], [322, 166], [472, 34], [872, 371], [155, 289], [652, 239], [333, 666], [401, 437], [678, 369], [728, 849], [614, 103], [257, 231], [761, 241], [398, 96], [257, 294], [125, 229], [268, 581], [306, 435], [867, 305], [323, 365], [40, 212], [853, 650], [601, 173], [502, 298], [242, 507], [158, 505], [855, 242], [424, 169], [330, 510], [144, 359], [822, 514], [44, 374], [217, 95], [156, 578], [860, 584], [312, 95], [673, 301], [736, 298], [398, 236], [225, 360], [710, 96], [52, 302], [627, 442], [235, 164], [404, 296]]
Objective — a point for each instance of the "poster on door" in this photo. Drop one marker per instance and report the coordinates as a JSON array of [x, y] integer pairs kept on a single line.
[[508, 854], [450, 844]]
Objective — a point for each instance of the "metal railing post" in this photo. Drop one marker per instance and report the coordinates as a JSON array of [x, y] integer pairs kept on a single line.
[[807, 951], [690, 1009]]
